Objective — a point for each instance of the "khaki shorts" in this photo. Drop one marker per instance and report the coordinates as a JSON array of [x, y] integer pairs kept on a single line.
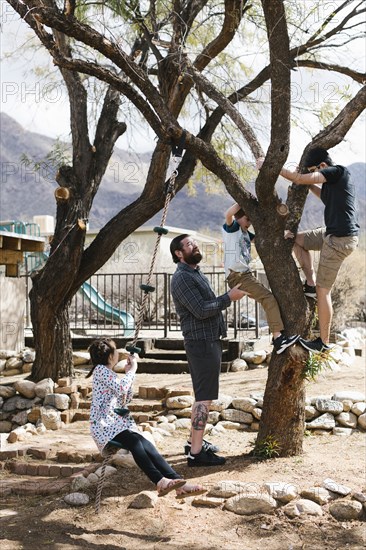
[[334, 250]]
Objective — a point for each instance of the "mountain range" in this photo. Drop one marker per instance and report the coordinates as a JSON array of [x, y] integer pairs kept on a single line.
[[26, 191]]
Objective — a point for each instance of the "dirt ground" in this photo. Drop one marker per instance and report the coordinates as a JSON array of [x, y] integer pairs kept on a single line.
[[48, 522]]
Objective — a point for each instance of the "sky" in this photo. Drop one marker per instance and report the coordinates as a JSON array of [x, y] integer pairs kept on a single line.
[[39, 106]]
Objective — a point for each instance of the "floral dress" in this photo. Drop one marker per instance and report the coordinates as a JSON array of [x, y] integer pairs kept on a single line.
[[109, 392]]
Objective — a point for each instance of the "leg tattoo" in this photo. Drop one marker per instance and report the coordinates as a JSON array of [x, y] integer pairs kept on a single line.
[[200, 416]]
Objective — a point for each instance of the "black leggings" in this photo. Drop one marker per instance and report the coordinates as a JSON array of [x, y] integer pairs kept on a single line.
[[146, 456]]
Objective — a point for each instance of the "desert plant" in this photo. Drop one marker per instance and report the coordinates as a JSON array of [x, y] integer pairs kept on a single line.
[[315, 364], [266, 448]]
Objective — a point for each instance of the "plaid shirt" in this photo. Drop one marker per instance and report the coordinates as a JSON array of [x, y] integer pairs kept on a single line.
[[198, 308]]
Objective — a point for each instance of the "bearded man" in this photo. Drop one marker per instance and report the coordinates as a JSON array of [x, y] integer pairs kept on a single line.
[[203, 327]]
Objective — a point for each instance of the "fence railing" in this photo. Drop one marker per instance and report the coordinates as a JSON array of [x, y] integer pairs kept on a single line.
[[111, 302]]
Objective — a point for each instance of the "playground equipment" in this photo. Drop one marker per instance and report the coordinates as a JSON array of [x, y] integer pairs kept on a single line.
[[107, 310]]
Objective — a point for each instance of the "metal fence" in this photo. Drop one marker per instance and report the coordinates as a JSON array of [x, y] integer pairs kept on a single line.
[[111, 303]]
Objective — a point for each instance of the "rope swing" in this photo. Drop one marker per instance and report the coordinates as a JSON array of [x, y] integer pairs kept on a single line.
[[160, 230]]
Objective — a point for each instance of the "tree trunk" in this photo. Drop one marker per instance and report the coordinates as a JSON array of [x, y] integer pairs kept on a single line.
[[52, 337]]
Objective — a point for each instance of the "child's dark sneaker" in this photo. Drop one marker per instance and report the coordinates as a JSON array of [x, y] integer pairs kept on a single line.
[[316, 346], [283, 342]]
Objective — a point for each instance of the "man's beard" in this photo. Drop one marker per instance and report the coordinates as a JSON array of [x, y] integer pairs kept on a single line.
[[193, 258]]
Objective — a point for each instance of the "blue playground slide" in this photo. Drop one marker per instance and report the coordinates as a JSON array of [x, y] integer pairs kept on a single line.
[[100, 304], [107, 310]]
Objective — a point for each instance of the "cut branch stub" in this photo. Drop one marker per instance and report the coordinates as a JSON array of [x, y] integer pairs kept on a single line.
[[282, 209], [62, 194]]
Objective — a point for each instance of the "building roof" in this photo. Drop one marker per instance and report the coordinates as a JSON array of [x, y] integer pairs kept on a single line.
[[12, 247]]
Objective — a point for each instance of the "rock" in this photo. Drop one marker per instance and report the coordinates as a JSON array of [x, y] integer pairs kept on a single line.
[[234, 415], [228, 425], [342, 431], [252, 366], [257, 413], [19, 434], [44, 387], [26, 388], [346, 510], [358, 408], [238, 365], [362, 421], [302, 507], [145, 499], [18, 403], [92, 478], [320, 495], [183, 424], [257, 503], [353, 396], [171, 417], [51, 418], [58, 400], [347, 419], [229, 488], [13, 363], [254, 426], [21, 417], [183, 413], [80, 482], [335, 487], [76, 499], [324, 422], [167, 426], [245, 404], [1, 402], [284, 492], [40, 427], [7, 391], [80, 358], [328, 405], [109, 471], [179, 402], [222, 403], [2, 365], [213, 417], [6, 353], [12, 372], [313, 400], [218, 429], [124, 460], [5, 426], [311, 412], [361, 497], [347, 405], [28, 355], [34, 414], [27, 367], [120, 366], [208, 502], [255, 357]]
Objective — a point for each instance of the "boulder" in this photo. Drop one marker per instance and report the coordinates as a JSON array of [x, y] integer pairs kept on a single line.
[[343, 432], [6, 353], [76, 499], [26, 388], [80, 482], [80, 358], [284, 492], [183, 424], [145, 499], [234, 415], [245, 404], [28, 355], [257, 503], [21, 417], [238, 365], [328, 405], [257, 413], [255, 357], [335, 487], [311, 412], [59, 401], [7, 391], [2, 364], [213, 417], [228, 425], [182, 413], [346, 510], [179, 402], [361, 422], [14, 363], [18, 403], [51, 418], [44, 387], [320, 495], [358, 408], [222, 403], [5, 426], [229, 488], [324, 422], [347, 419], [109, 471], [123, 460], [302, 507]]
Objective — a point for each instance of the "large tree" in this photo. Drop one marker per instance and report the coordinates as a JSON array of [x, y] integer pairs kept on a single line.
[[177, 64]]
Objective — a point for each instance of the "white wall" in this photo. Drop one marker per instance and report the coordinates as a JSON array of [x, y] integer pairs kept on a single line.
[[12, 306]]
